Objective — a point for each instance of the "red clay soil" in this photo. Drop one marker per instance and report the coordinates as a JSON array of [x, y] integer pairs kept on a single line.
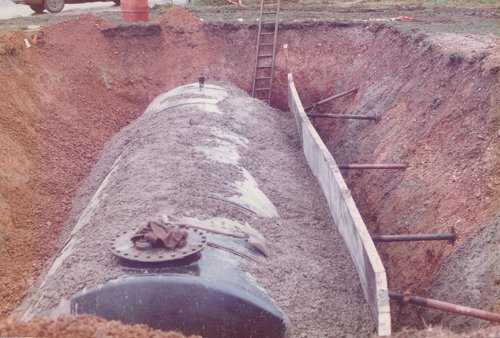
[[438, 97], [440, 111], [63, 99], [51, 133], [79, 327]]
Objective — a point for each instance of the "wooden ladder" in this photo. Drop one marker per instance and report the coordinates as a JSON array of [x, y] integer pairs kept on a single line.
[[266, 50]]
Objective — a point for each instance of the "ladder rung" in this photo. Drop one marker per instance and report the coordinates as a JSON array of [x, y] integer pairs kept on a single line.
[[262, 89], [268, 23], [266, 44], [266, 33], [264, 67], [263, 78], [266, 56], [270, 12]]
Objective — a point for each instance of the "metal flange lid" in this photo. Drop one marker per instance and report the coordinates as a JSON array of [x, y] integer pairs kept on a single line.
[[143, 251]]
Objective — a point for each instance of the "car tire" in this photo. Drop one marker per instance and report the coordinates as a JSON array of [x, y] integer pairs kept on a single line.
[[37, 8], [54, 6]]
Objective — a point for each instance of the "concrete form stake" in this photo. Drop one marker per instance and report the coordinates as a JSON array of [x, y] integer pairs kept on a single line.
[[406, 298], [372, 166], [346, 116], [331, 98], [451, 236]]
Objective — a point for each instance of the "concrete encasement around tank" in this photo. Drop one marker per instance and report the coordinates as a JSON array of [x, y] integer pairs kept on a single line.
[[219, 160], [192, 173]]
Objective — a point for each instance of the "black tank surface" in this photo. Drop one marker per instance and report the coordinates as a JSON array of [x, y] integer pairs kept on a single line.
[[229, 305]]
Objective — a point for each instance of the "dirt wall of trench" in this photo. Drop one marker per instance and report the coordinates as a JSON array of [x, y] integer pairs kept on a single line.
[[438, 99], [63, 99]]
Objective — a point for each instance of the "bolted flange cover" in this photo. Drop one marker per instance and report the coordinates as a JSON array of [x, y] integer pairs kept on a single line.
[[122, 246]]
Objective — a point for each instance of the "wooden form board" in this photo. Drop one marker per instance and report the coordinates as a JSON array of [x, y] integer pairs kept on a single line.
[[344, 212]]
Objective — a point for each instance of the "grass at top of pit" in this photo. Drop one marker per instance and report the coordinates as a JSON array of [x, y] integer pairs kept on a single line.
[[450, 16]]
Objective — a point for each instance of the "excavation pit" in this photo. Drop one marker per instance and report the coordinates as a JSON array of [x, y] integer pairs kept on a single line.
[[439, 111]]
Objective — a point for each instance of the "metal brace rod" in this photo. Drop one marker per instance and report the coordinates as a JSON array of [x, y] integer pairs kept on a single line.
[[452, 236], [406, 298], [372, 166], [346, 116], [331, 98]]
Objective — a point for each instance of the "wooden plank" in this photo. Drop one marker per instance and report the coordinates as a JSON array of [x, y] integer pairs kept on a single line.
[[371, 271]]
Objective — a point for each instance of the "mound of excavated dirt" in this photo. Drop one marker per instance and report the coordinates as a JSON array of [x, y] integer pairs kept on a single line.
[[179, 20], [79, 327]]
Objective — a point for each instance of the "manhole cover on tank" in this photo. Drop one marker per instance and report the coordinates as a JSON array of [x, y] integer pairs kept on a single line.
[[142, 251]]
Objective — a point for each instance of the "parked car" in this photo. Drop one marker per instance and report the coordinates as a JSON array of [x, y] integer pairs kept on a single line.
[[53, 6]]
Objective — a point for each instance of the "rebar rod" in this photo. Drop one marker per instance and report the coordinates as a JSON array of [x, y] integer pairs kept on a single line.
[[451, 236], [406, 298], [372, 166], [346, 116], [331, 98]]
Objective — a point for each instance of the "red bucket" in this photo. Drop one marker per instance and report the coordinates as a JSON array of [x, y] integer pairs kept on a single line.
[[134, 10]]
